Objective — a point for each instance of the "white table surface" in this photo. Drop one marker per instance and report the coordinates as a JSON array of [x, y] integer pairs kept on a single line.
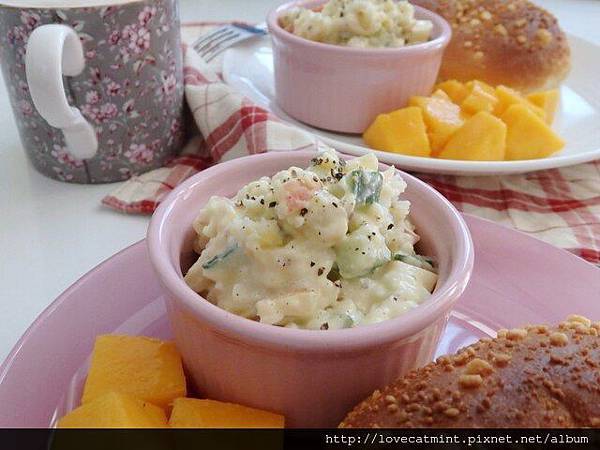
[[51, 233]]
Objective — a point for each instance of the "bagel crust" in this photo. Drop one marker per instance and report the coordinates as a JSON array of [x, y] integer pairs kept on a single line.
[[536, 376], [509, 42]]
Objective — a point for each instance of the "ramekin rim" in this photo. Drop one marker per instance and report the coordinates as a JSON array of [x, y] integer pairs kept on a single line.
[[440, 41]]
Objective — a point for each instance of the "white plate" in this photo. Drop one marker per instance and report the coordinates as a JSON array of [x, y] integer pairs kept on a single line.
[[248, 68]]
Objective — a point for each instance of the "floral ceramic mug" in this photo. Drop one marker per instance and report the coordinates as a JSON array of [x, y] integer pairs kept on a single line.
[[96, 86]]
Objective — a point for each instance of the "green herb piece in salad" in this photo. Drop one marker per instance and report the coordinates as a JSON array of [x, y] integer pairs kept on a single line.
[[422, 262], [220, 257], [365, 185]]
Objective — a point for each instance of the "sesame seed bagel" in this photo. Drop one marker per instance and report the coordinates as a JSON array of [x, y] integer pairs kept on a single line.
[[536, 376], [510, 42]]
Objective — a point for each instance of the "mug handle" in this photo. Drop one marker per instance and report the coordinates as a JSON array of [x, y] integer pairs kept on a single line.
[[53, 51]]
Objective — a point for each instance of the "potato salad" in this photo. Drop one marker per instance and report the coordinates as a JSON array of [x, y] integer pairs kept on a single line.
[[326, 247], [359, 23]]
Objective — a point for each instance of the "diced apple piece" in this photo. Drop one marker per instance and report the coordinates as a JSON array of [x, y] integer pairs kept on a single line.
[[548, 101], [146, 368], [507, 97], [442, 118], [455, 90], [528, 136], [366, 162], [270, 236], [195, 413], [115, 410], [402, 131], [481, 138], [480, 98]]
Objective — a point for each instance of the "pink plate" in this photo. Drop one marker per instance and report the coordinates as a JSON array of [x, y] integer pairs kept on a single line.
[[517, 280]]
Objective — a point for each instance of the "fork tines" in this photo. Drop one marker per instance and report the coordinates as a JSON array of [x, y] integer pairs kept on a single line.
[[214, 42]]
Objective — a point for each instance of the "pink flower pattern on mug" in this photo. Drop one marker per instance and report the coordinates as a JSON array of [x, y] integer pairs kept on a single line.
[[64, 157], [100, 114], [114, 38], [147, 15], [131, 89], [26, 108], [139, 153], [169, 84], [30, 19], [113, 88], [136, 39], [92, 97]]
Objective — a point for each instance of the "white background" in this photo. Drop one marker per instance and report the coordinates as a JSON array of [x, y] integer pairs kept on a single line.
[[51, 233]]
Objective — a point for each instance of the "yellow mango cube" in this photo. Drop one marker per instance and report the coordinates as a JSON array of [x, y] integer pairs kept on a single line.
[[115, 410], [507, 97], [456, 90], [401, 131], [195, 413], [442, 118], [438, 93], [479, 85], [548, 101], [528, 136], [481, 97], [149, 369], [481, 138]]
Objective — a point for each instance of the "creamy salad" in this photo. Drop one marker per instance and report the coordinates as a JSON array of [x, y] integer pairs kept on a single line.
[[326, 247], [359, 23]]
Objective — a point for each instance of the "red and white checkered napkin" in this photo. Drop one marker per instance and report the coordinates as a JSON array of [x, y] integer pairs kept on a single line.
[[560, 206]]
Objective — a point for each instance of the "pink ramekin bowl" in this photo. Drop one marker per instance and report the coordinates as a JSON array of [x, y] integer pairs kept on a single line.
[[343, 89], [313, 377]]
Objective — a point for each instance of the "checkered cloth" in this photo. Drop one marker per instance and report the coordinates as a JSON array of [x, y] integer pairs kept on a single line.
[[559, 206]]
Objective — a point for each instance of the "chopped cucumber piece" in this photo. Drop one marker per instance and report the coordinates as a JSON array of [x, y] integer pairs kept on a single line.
[[365, 185], [347, 320], [220, 257], [419, 261]]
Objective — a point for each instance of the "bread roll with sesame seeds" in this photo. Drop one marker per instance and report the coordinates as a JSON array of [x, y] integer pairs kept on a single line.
[[510, 42], [536, 376]]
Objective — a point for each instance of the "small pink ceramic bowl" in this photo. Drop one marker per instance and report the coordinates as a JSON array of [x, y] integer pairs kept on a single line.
[[342, 88], [313, 377]]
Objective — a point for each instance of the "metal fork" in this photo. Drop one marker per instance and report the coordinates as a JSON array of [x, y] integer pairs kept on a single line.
[[214, 42]]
